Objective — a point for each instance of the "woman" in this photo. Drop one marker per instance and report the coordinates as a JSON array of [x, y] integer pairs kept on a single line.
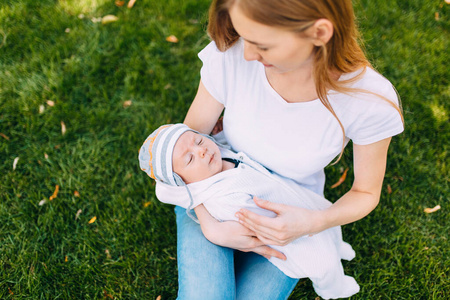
[[288, 70]]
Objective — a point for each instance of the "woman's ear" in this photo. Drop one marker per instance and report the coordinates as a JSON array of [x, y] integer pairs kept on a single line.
[[322, 32]]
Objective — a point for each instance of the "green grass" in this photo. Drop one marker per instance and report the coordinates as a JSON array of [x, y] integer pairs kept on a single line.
[[129, 252]]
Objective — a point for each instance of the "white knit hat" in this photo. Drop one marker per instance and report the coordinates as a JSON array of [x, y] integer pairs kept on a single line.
[[155, 155]]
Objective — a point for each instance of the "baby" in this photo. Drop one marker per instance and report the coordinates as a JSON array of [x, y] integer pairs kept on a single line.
[[191, 169]]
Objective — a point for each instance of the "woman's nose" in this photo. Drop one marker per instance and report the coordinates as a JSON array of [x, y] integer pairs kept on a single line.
[[250, 52]]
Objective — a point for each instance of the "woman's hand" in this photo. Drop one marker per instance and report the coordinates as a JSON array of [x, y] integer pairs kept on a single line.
[[231, 234], [289, 224]]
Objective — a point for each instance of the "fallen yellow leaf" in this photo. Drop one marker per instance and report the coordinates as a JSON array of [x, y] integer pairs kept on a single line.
[[436, 16], [4, 136], [127, 103], [55, 193], [432, 210], [131, 3], [63, 128], [120, 3], [172, 39], [76, 194], [41, 109], [158, 298], [147, 204], [65, 259], [341, 180], [78, 214], [50, 103], [46, 155], [109, 19], [108, 255], [92, 220]]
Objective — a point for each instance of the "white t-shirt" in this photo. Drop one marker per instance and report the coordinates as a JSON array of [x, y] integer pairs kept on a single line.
[[295, 140]]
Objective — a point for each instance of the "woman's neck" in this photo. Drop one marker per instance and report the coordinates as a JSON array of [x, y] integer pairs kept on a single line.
[[295, 86]]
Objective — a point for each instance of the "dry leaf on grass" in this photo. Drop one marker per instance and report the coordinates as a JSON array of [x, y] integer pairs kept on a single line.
[[42, 202], [50, 103], [158, 298], [92, 220], [120, 3], [16, 160], [46, 155], [66, 259], [55, 193], [131, 3], [172, 39], [63, 128], [108, 255], [106, 295], [389, 189], [146, 204], [76, 194], [109, 19], [78, 214], [41, 109], [4, 136], [432, 210], [341, 180], [67, 30], [436, 16], [447, 1], [127, 103]]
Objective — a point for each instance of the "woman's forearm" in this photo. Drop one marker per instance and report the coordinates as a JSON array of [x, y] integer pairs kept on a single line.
[[351, 207]]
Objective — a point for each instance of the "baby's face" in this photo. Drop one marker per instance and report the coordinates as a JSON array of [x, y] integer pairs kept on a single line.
[[196, 157]]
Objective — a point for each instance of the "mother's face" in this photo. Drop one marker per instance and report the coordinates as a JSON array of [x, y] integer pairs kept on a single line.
[[277, 49]]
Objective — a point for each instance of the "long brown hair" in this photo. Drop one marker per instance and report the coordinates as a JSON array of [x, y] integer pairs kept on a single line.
[[342, 54]]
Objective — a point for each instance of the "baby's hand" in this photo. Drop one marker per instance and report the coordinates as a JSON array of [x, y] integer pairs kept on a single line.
[[218, 127]]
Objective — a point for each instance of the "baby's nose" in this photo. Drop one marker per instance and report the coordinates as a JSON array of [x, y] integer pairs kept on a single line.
[[203, 151]]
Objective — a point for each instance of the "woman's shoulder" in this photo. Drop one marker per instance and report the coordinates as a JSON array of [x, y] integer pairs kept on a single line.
[[211, 51], [369, 80]]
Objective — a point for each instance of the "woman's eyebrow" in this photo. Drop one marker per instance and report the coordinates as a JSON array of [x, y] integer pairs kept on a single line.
[[254, 43]]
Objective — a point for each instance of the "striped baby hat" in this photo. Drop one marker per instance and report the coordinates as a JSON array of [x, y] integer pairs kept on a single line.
[[155, 155]]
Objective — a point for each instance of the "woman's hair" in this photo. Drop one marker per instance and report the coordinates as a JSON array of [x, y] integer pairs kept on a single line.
[[342, 53]]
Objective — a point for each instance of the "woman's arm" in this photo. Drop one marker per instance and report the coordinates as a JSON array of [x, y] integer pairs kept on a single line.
[[202, 116], [363, 197], [204, 111]]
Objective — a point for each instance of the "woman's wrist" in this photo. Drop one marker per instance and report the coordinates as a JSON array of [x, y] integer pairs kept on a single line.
[[323, 220]]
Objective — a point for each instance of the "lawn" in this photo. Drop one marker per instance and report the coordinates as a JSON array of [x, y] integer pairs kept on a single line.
[[78, 97]]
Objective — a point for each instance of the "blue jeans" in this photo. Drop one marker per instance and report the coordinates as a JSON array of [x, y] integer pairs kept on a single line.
[[207, 271]]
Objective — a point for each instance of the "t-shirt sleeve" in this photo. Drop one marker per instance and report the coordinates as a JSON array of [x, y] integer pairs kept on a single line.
[[213, 71], [379, 121]]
